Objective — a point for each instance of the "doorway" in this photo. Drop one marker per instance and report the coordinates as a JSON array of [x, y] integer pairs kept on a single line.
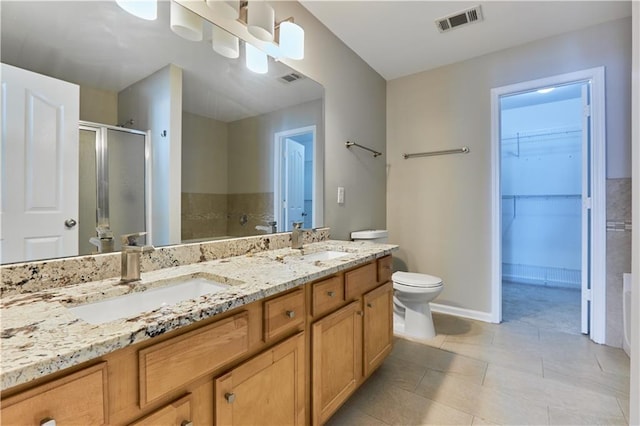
[[548, 203], [295, 178]]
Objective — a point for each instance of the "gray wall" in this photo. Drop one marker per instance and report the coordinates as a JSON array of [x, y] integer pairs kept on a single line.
[[438, 208]]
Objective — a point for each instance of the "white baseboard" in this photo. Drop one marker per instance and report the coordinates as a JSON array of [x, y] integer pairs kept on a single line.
[[460, 312]]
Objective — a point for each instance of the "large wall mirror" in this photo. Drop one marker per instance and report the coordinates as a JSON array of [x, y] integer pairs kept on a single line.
[[170, 137]]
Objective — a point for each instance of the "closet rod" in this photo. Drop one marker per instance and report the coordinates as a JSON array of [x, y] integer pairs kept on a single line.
[[350, 144], [463, 150], [539, 135]]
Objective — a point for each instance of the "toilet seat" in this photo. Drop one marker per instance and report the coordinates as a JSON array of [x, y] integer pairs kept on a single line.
[[412, 279]]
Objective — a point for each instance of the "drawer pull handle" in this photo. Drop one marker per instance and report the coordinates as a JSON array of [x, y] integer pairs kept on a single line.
[[291, 314], [230, 397], [331, 293], [370, 305], [186, 423], [48, 422]]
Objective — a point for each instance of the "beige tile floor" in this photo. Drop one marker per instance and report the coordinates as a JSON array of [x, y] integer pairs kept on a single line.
[[475, 373]]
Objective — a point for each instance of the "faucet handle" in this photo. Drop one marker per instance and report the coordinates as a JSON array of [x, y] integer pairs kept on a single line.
[[297, 225], [131, 239]]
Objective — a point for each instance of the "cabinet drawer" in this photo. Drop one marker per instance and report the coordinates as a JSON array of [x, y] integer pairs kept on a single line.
[[359, 281], [327, 295], [168, 365], [283, 314], [384, 269], [79, 398], [178, 413]]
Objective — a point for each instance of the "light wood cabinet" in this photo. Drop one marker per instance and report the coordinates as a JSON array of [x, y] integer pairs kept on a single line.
[[337, 360], [268, 362], [268, 389], [169, 365], [283, 314], [350, 343], [76, 399], [178, 413], [378, 326]]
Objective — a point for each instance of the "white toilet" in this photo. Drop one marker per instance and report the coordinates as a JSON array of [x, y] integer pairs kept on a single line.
[[411, 310], [411, 296]]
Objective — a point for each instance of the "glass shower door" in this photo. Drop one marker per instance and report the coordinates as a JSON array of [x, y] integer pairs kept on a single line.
[[113, 182]]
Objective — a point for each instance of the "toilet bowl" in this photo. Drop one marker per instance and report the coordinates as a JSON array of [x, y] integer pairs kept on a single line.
[[411, 310]]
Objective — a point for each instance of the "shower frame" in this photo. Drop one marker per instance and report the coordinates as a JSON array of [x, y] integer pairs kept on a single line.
[[102, 172]]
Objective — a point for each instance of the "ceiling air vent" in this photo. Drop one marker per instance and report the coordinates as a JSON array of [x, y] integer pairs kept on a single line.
[[465, 17], [290, 78]]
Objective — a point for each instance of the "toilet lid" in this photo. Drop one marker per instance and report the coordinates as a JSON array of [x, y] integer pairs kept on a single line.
[[416, 280]]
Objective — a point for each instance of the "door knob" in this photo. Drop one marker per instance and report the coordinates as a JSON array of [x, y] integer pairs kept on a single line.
[[70, 223]]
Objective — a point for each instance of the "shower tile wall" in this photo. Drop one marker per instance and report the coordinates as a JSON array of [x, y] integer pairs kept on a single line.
[[203, 215], [246, 211], [618, 254], [206, 216]]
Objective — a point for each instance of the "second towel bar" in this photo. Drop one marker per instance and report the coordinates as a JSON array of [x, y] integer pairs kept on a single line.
[[463, 150]]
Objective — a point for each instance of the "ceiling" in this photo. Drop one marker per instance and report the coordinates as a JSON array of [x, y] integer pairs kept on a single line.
[[97, 44], [399, 38]]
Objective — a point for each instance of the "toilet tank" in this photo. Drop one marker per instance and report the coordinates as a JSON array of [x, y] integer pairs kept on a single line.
[[371, 235]]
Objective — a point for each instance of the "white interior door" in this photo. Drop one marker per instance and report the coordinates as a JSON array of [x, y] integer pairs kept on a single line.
[[39, 166], [294, 182], [586, 210]]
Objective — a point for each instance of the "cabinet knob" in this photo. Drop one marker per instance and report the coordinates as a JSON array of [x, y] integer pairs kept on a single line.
[[48, 422], [369, 305], [331, 293], [186, 423], [360, 313], [290, 314], [230, 397]]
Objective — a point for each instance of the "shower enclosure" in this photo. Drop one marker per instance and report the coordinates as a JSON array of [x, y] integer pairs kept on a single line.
[[115, 183]]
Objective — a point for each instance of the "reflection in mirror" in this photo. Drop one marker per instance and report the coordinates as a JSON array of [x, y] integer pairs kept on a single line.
[[230, 151]]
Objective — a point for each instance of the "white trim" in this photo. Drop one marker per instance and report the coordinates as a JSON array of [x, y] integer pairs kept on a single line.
[[598, 193], [634, 391], [461, 312], [317, 202]]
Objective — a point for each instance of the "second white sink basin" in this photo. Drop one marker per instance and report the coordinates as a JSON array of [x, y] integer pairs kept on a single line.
[[133, 304], [323, 255]]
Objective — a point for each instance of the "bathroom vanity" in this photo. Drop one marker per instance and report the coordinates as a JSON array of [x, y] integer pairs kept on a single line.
[[286, 340]]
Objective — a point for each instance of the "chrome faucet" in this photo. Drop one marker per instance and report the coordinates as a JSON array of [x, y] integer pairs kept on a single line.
[[130, 256], [297, 235]]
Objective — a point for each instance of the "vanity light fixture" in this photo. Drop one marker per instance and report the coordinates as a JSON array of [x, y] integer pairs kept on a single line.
[[291, 38], [185, 23], [225, 43], [227, 9], [143, 9], [261, 20], [256, 59]]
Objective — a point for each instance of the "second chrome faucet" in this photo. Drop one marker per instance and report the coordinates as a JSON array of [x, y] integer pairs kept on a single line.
[[297, 235]]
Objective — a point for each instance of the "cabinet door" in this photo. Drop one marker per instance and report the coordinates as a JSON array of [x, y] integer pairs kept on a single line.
[[266, 390], [76, 399], [378, 326], [178, 413], [336, 360]]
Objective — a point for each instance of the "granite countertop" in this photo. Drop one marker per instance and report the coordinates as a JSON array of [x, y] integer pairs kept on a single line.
[[41, 336]]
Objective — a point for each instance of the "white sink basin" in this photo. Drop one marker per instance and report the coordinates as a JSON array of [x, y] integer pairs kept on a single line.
[[323, 255], [133, 304]]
